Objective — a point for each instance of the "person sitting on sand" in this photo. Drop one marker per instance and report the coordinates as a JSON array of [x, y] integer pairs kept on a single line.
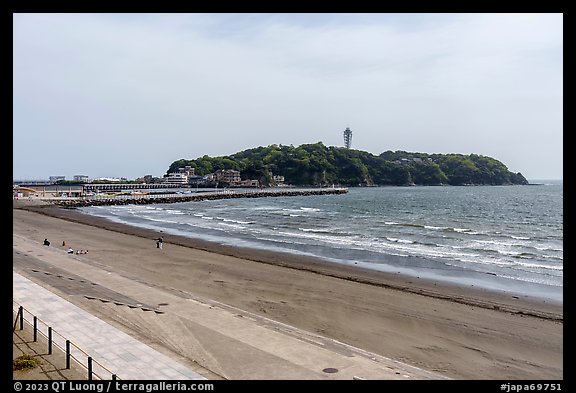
[[70, 251], [46, 242]]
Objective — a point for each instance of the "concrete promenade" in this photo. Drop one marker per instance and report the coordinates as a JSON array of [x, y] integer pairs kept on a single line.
[[118, 352]]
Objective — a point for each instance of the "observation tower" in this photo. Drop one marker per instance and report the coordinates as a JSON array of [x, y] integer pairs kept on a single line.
[[347, 137]]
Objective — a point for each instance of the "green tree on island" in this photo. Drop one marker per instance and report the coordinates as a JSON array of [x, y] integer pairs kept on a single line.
[[319, 165]]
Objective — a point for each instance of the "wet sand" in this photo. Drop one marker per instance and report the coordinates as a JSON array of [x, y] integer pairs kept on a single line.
[[458, 332]]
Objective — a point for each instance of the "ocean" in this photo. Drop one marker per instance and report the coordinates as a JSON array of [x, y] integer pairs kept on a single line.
[[504, 238]]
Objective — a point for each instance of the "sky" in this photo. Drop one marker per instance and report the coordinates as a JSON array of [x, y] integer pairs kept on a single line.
[[125, 95]]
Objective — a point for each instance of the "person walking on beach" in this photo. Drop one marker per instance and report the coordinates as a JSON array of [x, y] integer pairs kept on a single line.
[[159, 242]]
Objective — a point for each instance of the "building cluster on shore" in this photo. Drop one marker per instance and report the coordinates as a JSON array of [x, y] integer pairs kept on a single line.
[[82, 185], [187, 176], [110, 189]]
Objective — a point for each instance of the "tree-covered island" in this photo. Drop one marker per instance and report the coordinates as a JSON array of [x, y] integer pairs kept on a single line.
[[320, 165]]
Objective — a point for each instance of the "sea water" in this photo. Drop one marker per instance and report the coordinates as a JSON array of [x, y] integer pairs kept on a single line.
[[505, 238]]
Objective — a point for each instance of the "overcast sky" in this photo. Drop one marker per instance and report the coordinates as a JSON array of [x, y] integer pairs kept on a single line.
[[125, 95]]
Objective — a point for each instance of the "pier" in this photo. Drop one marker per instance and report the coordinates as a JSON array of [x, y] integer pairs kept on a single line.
[[192, 197]]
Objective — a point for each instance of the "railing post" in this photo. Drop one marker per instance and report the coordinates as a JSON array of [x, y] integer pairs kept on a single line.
[[67, 354], [21, 312], [49, 340], [35, 328], [89, 368]]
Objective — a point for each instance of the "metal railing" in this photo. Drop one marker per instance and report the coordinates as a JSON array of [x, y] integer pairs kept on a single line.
[[94, 369]]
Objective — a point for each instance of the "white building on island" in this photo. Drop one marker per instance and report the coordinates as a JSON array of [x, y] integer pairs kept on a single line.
[[176, 178]]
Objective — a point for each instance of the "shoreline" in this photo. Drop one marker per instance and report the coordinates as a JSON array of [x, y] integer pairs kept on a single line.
[[460, 333], [486, 298]]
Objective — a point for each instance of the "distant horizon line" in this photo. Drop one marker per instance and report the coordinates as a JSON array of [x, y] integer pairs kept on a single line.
[[130, 179]]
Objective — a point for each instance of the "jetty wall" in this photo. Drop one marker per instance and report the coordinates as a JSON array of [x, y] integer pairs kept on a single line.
[[198, 196]]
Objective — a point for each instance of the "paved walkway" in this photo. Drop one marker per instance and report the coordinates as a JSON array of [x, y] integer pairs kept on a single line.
[[115, 350]]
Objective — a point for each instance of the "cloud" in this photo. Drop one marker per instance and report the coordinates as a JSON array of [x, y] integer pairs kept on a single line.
[[170, 86]]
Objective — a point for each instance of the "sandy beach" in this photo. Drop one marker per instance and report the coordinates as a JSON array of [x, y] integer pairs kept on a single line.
[[456, 332]]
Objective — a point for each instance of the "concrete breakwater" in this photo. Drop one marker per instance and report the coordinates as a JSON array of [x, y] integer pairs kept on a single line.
[[198, 196]]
